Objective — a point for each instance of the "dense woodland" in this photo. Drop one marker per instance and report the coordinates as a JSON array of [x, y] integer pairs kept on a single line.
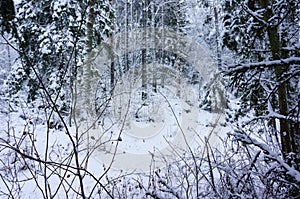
[[52, 85]]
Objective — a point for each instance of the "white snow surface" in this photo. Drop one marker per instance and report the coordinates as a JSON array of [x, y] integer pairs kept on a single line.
[[142, 132], [175, 126]]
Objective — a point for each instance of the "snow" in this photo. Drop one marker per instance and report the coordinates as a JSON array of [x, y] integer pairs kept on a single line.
[[269, 153], [167, 125], [173, 141], [244, 67], [163, 122]]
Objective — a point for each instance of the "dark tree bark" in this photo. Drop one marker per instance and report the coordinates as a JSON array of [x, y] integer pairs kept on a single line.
[[275, 45], [7, 10], [7, 13], [112, 65], [144, 51]]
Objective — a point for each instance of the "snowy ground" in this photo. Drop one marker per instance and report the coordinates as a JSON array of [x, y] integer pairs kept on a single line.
[[132, 135], [149, 136], [146, 132], [141, 134]]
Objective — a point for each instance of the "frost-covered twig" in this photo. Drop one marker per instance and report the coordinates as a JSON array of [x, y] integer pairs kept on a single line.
[[168, 188], [255, 15], [65, 166], [242, 137]]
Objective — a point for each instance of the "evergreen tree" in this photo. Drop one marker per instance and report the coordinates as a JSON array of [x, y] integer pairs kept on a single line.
[[265, 37], [53, 38]]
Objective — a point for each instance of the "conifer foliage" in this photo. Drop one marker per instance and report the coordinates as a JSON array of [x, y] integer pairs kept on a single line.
[[265, 37], [51, 38]]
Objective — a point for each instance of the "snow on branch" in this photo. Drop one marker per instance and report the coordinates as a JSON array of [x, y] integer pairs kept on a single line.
[[167, 189], [244, 138], [239, 68], [255, 15], [273, 114]]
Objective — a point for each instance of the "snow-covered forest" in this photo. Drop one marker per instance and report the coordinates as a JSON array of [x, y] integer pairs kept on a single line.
[[150, 99]]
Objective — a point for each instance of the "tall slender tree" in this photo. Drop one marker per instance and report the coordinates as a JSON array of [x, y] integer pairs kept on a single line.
[[265, 35]]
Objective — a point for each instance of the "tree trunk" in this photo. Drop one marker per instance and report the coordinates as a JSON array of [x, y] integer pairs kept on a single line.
[[162, 78], [144, 69], [275, 45], [152, 34], [126, 36], [90, 25], [87, 70], [217, 37], [112, 64], [177, 62]]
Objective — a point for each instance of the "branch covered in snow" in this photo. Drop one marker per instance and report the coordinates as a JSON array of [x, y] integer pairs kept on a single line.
[[238, 68], [244, 138], [255, 15]]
